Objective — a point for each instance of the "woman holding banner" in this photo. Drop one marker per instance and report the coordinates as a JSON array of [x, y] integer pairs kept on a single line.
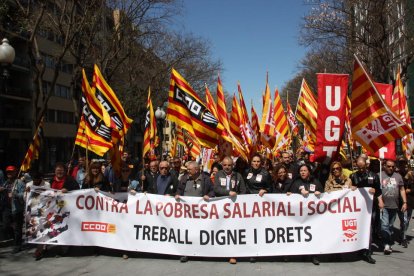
[[306, 184]]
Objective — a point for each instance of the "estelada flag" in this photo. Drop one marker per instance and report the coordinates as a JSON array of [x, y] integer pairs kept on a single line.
[[34, 148], [186, 109], [110, 102], [373, 122]]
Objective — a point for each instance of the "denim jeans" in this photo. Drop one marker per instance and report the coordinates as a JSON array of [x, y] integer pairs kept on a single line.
[[404, 222], [388, 217]]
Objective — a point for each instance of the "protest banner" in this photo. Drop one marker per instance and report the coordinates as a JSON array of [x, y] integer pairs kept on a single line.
[[248, 225]]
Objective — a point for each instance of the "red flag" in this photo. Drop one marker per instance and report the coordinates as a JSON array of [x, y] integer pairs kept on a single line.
[[332, 91]]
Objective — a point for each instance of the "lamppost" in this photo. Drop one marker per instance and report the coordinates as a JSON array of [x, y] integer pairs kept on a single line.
[[160, 116], [7, 55]]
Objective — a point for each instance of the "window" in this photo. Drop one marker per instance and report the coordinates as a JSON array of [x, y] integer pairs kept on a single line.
[[62, 91]]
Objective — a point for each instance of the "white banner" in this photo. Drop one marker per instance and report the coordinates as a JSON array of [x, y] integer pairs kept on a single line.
[[248, 225]]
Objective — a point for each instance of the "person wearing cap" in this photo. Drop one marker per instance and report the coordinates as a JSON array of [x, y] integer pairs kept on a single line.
[[12, 202]]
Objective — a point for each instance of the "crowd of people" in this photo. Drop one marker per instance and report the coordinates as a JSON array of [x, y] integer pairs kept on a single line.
[[391, 183]]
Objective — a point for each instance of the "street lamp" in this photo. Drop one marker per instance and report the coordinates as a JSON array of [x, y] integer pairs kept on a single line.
[[7, 55], [160, 116]]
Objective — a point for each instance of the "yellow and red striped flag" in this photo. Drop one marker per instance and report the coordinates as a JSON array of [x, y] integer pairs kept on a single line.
[[221, 106], [185, 139], [92, 132], [186, 109], [267, 124], [110, 102], [255, 121], [235, 120], [281, 123], [246, 126], [34, 148], [211, 104], [373, 122], [306, 113], [400, 107], [150, 127], [292, 120], [174, 144]]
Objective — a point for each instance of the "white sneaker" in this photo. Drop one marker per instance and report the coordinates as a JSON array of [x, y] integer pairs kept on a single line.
[[387, 250]]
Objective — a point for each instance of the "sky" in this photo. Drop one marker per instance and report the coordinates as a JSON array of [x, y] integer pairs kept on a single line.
[[250, 37]]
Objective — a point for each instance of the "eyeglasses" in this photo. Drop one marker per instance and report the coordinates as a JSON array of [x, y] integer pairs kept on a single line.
[[336, 168], [163, 168]]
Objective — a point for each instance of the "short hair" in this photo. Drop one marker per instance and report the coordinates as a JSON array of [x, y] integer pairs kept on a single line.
[[60, 165]]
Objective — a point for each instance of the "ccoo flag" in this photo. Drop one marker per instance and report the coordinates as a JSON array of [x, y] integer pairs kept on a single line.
[[186, 109], [373, 122]]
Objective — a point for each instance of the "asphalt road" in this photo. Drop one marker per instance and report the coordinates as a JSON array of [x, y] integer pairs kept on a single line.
[[89, 261]]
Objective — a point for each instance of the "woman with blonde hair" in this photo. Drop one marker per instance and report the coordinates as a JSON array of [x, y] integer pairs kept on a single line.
[[95, 178], [337, 180]]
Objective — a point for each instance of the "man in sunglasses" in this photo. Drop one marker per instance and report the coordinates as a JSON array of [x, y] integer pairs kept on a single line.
[[392, 187], [166, 183], [363, 178]]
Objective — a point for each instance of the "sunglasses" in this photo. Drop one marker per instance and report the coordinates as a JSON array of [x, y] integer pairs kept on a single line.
[[336, 169], [390, 166], [163, 168]]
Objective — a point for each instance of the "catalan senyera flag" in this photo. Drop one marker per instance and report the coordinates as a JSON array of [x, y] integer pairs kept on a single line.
[[150, 127], [186, 109], [174, 144], [292, 120], [34, 148], [246, 126], [110, 102], [221, 105], [255, 121], [267, 124], [400, 107], [279, 117], [92, 132], [235, 120], [211, 104], [194, 148], [306, 113], [373, 122]]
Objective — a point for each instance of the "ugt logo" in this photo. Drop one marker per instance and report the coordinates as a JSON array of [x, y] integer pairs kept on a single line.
[[349, 227]]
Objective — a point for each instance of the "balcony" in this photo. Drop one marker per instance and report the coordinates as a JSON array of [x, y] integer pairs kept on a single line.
[[17, 94], [14, 124]]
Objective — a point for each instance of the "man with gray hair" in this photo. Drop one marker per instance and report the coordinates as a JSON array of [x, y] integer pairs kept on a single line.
[[195, 183]]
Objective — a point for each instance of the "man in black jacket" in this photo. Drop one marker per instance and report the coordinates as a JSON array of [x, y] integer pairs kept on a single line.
[[148, 178], [228, 183], [364, 178], [166, 183]]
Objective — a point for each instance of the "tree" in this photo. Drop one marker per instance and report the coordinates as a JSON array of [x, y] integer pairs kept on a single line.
[[374, 30]]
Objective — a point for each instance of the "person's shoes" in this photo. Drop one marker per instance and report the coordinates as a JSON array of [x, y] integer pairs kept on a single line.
[[387, 250], [369, 259], [125, 257], [16, 250], [233, 261], [315, 260], [38, 254], [404, 243], [252, 260], [184, 259]]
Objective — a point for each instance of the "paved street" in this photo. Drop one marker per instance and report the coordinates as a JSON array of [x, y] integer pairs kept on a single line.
[[85, 261]]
